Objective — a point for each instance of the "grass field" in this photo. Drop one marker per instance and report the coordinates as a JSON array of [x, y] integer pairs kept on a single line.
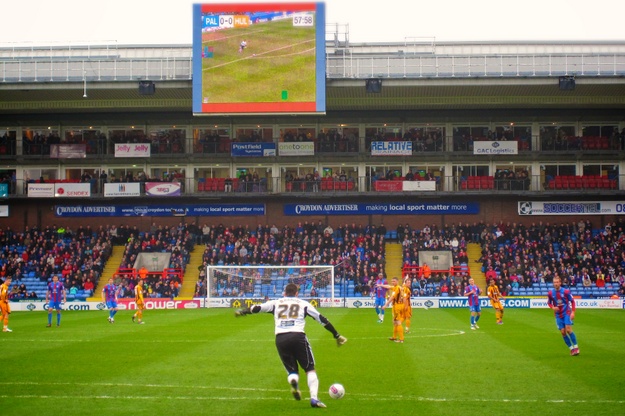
[[279, 57], [207, 362]]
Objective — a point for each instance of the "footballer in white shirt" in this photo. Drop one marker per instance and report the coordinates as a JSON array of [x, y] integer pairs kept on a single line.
[[293, 346]]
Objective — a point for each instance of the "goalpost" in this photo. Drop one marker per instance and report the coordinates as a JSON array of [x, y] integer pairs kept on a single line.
[[227, 284]]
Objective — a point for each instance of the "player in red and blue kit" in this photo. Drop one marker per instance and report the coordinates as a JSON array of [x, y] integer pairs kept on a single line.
[[561, 301], [473, 292], [54, 297], [109, 296], [379, 292]]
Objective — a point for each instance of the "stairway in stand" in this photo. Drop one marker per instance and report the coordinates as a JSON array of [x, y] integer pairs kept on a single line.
[[394, 260], [474, 252], [192, 272], [110, 268]]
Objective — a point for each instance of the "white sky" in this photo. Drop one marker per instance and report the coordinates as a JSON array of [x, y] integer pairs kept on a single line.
[[44, 22]]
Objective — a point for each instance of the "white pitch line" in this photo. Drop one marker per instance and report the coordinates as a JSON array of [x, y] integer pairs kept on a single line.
[[411, 335], [107, 397], [136, 385], [238, 35], [283, 56], [258, 54], [357, 396], [248, 398]]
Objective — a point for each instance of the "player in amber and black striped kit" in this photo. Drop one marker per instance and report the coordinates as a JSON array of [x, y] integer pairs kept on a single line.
[[293, 347]]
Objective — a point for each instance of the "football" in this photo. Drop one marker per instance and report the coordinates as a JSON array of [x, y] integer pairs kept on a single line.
[[337, 391]]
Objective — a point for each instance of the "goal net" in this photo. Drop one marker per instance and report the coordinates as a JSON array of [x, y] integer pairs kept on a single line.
[[228, 284]]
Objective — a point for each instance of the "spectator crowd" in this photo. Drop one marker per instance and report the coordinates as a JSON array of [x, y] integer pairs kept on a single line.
[[514, 254]]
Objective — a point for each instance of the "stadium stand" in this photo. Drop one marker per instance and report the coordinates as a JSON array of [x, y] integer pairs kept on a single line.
[[33, 256], [522, 258]]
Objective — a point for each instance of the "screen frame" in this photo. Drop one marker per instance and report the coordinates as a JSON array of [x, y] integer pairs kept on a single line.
[[277, 107]]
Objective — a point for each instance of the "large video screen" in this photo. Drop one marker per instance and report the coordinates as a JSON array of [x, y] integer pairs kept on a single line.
[[261, 58]]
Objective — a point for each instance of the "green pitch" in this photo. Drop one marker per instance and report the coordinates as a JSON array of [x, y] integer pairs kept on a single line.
[[279, 57], [192, 362]]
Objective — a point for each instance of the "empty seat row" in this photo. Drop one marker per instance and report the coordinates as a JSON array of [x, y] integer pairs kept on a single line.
[[478, 182], [216, 184], [581, 182]]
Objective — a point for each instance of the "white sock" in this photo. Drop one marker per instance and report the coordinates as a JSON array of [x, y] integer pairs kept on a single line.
[[293, 377], [313, 384]]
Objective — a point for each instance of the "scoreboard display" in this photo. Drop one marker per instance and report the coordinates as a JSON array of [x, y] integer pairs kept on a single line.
[[260, 58]]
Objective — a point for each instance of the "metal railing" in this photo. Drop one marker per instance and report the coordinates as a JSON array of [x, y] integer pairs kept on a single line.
[[571, 184], [91, 70], [175, 63], [364, 184], [104, 148], [345, 64]]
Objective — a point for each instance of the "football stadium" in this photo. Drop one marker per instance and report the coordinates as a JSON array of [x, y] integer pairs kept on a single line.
[[430, 201]]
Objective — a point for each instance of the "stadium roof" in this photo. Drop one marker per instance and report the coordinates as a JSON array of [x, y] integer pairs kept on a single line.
[[452, 76], [341, 95]]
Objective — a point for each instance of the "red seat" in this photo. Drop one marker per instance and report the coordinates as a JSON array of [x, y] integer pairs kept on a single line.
[[579, 182], [592, 182], [604, 144], [224, 146], [584, 180], [591, 144], [558, 182], [484, 182]]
